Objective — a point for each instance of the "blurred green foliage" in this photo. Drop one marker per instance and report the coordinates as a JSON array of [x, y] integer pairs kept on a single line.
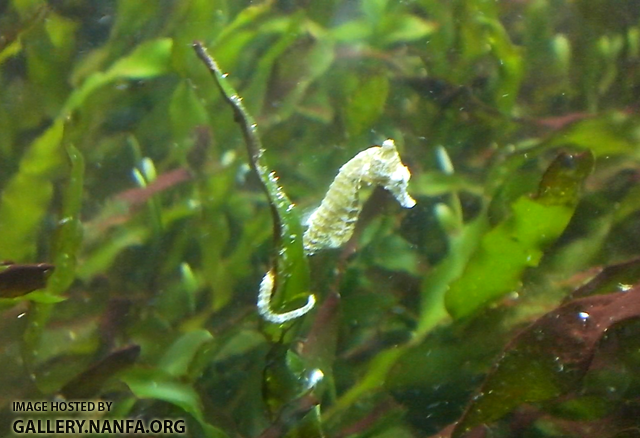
[[122, 166]]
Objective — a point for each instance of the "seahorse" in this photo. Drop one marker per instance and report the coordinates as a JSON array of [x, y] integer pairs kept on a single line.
[[332, 224]]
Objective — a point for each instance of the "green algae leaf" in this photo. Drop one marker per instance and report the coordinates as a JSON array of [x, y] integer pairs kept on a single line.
[[609, 134], [158, 385], [186, 112], [239, 344], [255, 92], [38, 296], [178, 358], [387, 29], [68, 235], [61, 32], [48, 51], [519, 241], [100, 259], [435, 286], [230, 51], [507, 84], [405, 27], [148, 60], [131, 18], [302, 66], [394, 253], [246, 17], [374, 10], [25, 199], [42, 297], [205, 18], [366, 103], [351, 31], [10, 50]]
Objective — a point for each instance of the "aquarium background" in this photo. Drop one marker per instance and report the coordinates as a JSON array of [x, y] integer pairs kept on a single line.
[[136, 232]]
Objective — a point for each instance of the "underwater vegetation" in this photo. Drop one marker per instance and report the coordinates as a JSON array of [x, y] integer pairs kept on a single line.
[[162, 213]]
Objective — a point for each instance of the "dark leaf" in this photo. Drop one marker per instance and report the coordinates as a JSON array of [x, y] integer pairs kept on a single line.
[[319, 348], [17, 279], [292, 414], [549, 358], [562, 181], [611, 279], [89, 382]]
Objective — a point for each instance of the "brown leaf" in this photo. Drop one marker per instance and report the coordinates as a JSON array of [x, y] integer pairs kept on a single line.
[[88, 383], [610, 279], [368, 421], [549, 358], [17, 279], [137, 196]]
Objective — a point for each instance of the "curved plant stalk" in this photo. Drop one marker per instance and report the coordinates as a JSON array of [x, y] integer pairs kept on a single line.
[[290, 274]]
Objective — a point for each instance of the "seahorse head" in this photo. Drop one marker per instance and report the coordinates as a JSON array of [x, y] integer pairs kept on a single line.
[[393, 175]]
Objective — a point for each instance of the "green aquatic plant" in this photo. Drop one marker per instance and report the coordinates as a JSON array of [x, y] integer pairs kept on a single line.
[[504, 301], [290, 265]]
